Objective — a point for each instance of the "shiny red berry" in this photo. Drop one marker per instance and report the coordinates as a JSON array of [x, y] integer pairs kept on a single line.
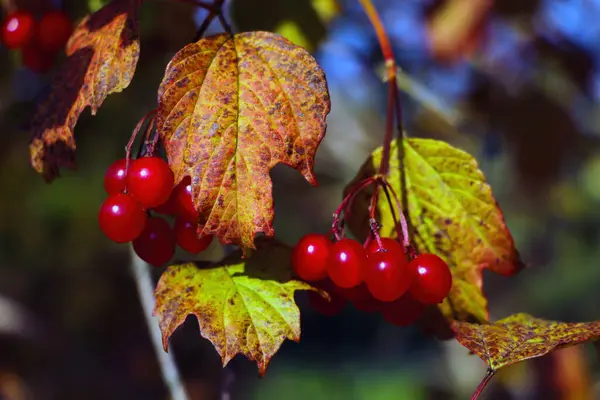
[[114, 178], [150, 181], [183, 195], [309, 257], [186, 235], [403, 312], [432, 279], [36, 59], [346, 262], [156, 243], [18, 29], [386, 273], [53, 31], [121, 218]]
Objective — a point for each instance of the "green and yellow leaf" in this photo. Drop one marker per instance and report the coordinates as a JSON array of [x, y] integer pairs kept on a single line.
[[243, 305], [230, 109], [102, 56], [454, 215], [521, 337]]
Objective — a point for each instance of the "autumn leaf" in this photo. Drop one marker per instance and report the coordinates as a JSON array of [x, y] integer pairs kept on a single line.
[[102, 55], [230, 109], [521, 337], [454, 215], [244, 306]]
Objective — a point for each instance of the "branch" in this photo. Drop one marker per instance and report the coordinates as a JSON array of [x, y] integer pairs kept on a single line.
[[482, 385], [166, 361]]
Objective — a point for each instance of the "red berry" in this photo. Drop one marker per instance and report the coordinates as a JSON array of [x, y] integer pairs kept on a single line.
[[54, 30], [156, 243], [150, 181], [37, 60], [185, 204], [186, 234], [114, 179], [346, 262], [386, 273], [403, 311], [432, 279], [18, 30], [309, 257], [121, 218]]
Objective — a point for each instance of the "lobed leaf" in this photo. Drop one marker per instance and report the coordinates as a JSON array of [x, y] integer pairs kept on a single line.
[[521, 337], [102, 56], [454, 215], [244, 306], [230, 109]]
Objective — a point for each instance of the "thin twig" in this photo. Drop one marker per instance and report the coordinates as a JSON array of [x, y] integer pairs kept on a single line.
[[166, 361], [484, 382]]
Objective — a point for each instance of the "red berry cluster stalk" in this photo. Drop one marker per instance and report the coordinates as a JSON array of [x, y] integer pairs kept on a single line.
[[39, 40], [138, 192]]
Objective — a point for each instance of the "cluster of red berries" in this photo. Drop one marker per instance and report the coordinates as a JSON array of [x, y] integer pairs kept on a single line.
[[377, 277], [147, 185], [39, 40]]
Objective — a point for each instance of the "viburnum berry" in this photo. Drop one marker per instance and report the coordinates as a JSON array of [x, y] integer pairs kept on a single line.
[[403, 311], [310, 255], [156, 243], [121, 218], [18, 29], [53, 31], [386, 273], [150, 181], [432, 279], [186, 235], [115, 176], [346, 262], [36, 59], [183, 195]]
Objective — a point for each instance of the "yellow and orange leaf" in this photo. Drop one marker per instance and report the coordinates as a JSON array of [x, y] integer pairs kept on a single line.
[[102, 56], [521, 337], [453, 213], [243, 305], [230, 109]]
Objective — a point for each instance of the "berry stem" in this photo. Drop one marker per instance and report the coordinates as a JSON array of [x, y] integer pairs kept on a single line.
[[484, 382], [136, 131], [336, 227], [387, 189], [401, 159], [166, 361], [390, 64]]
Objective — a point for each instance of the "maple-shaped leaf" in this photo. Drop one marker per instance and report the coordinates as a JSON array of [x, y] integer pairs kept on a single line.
[[230, 109], [521, 337], [453, 213], [102, 55], [243, 305]]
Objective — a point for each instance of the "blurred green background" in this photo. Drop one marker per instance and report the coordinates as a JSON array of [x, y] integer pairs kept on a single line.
[[523, 99]]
